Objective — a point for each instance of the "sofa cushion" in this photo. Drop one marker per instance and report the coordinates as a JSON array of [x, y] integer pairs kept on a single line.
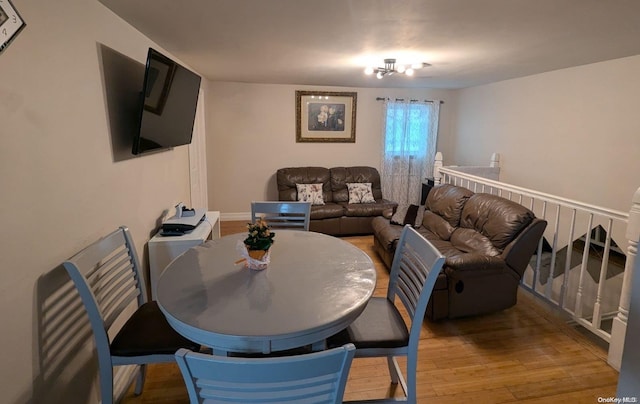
[[360, 192], [367, 209], [340, 176], [386, 233], [287, 178], [326, 211], [445, 247], [447, 201], [497, 218], [310, 193], [437, 225], [470, 241]]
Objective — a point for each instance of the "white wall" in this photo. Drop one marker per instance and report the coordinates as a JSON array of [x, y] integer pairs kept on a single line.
[[59, 185], [573, 132], [251, 134]]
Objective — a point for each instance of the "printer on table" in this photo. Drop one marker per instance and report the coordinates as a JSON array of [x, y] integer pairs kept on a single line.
[[183, 222]]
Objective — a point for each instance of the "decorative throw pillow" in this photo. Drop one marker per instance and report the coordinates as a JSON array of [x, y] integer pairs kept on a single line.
[[408, 214], [360, 192], [310, 193]]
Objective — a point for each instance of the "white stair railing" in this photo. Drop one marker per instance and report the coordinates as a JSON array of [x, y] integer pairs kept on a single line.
[[580, 266]]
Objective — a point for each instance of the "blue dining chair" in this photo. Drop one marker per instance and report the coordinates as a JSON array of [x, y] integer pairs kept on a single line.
[[109, 280], [318, 377], [381, 331]]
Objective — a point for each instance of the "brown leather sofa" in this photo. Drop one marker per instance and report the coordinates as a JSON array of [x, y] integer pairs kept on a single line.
[[487, 240], [337, 216]]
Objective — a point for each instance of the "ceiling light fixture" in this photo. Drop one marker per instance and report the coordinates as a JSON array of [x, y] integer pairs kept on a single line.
[[390, 68]]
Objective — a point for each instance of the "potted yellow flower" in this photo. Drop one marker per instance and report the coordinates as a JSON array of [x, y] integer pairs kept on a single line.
[[259, 239]]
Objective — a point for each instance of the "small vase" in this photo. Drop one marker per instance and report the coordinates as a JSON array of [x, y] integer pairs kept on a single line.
[[257, 259], [257, 254]]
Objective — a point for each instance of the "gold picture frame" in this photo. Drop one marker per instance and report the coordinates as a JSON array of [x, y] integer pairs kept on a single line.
[[326, 116], [11, 23]]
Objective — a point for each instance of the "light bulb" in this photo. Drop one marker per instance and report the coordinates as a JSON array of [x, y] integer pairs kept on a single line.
[[409, 72], [417, 65], [379, 75], [400, 68], [368, 70]]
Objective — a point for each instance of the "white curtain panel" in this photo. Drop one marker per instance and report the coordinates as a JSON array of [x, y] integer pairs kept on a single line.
[[410, 136]]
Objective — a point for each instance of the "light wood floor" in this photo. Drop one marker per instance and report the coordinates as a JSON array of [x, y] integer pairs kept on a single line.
[[524, 354]]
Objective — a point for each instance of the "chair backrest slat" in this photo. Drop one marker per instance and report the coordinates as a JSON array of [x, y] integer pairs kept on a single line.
[[414, 271], [282, 215], [108, 278], [293, 391], [311, 378], [116, 278], [113, 312], [411, 278], [114, 286]]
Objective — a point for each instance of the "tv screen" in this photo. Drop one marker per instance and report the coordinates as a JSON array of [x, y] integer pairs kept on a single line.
[[168, 104]]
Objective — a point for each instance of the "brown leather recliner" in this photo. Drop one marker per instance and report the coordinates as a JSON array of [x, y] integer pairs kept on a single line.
[[337, 216], [487, 241]]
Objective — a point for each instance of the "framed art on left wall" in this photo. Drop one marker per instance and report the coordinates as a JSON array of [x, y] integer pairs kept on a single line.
[[10, 24], [326, 116]]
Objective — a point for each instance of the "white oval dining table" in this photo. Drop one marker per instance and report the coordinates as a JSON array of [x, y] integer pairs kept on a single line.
[[314, 286]]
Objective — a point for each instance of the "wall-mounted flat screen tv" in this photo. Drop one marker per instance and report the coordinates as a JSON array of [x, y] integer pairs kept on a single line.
[[168, 105]]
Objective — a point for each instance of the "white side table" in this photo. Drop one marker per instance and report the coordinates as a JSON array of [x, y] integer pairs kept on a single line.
[[164, 249]]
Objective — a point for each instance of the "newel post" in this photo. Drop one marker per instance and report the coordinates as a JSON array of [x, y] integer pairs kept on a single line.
[[619, 328], [437, 175]]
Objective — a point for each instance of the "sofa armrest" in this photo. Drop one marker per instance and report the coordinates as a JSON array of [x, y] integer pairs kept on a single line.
[[518, 253], [388, 213], [474, 263]]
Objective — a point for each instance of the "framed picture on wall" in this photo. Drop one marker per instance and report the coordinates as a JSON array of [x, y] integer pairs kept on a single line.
[[326, 116], [10, 24]]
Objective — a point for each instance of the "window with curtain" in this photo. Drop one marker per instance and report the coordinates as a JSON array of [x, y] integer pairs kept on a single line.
[[410, 135]]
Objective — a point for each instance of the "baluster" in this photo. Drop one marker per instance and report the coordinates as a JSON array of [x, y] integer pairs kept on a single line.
[[437, 164], [536, 271], [604, 267], [554, 250], [583, 268], [619, 328], [567, 261]]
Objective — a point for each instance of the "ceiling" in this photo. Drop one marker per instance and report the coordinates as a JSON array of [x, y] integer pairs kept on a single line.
[[330, 42]]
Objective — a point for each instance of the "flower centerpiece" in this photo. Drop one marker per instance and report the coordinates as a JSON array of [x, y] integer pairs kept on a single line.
[[259, 239]]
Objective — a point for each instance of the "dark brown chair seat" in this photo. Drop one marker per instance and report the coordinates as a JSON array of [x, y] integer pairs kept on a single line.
[[379, 326]]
